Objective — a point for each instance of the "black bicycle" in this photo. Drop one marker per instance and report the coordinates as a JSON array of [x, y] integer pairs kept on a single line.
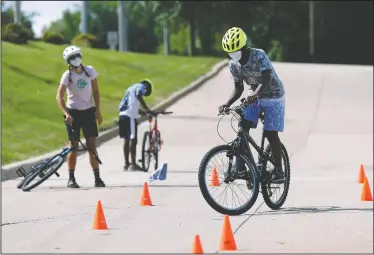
[[255, 175], [47, 168], [152, 142]]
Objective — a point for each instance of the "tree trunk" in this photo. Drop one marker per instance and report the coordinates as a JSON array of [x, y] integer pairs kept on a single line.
[[166, 37], [191, 44]]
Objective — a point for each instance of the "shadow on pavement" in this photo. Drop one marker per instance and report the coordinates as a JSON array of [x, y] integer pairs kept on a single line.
[[83, 188], [313, 209]]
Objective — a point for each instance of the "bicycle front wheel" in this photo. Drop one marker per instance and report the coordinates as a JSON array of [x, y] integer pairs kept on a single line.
[[156, 146], [216, 162], [44, 172]]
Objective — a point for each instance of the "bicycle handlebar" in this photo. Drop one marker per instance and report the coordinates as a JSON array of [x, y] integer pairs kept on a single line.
[[154, 114], [244, 103]]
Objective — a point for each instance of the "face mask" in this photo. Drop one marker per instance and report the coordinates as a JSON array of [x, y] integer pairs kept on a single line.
[[75, 62], [235, 56]]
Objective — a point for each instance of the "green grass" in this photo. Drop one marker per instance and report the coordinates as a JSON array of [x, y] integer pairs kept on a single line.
[[32, 123]]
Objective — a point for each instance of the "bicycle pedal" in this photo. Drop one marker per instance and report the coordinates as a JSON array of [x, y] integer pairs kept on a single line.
[[21, 172], [41, 175]]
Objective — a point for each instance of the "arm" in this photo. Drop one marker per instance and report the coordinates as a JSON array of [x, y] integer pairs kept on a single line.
[[141, 101], [238, 81], [96, 94], [60, 99], [238, 91], [265, 69], [266, 79]]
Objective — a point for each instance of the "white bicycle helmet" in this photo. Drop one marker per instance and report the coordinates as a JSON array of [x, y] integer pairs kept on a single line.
[[71, 51]]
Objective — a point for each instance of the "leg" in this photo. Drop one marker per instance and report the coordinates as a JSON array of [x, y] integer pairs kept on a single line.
[[73, 132], [90, 131], [274, 123], [126, 152], [133, 142], [125, 133], [251, 114]]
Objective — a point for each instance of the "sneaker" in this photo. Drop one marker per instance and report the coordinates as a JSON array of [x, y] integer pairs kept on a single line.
[[99, 183], [73, 184], [135, 167], [126, 167], [278, 176]]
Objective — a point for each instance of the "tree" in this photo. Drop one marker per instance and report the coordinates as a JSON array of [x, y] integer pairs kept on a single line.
[[67, 26], [7, 16]]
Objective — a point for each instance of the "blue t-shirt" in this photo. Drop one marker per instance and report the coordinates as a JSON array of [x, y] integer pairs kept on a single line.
[[250, 73]]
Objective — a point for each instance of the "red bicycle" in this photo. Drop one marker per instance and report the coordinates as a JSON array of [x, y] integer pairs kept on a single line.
[[152, 142]]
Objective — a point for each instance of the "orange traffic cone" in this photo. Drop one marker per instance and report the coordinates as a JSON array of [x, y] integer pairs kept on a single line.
[[227, 242], [146, 198], [214, 181], [361, 175], [99, 219], [197, 248], [366, 192]]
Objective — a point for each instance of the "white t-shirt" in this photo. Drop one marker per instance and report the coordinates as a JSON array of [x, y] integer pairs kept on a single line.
[[129, 104], [79, 91]]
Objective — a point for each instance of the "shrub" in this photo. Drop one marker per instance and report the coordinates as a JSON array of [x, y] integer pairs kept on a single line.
[[16, 33], [85, 40], [52, 37]]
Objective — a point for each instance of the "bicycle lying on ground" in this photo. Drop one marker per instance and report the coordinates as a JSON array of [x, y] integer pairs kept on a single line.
[[256, 175], [152, 142], [47, 168]]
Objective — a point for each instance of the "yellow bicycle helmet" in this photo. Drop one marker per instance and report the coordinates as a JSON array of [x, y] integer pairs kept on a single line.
[[147, 81], [234, 39]]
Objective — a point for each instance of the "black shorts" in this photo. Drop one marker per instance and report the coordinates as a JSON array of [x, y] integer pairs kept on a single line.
[[82, 119], [128, 128]]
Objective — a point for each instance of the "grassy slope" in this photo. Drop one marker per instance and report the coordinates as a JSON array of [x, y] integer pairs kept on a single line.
[[31, 121]]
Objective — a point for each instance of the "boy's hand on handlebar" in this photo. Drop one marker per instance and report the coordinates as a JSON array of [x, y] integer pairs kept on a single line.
[[222, 108], [251, 98], [150, 112]]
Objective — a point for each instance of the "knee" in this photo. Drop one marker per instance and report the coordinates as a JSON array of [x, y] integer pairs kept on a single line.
[[247, 124], [271, 135], [134, 142], [74, 144], [91, 145]]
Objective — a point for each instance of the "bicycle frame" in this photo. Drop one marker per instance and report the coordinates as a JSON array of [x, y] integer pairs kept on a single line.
[[155, 124], [242, 134], [21, 172]]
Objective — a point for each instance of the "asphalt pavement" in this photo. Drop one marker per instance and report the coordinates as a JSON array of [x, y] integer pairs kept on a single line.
[[328, 134]]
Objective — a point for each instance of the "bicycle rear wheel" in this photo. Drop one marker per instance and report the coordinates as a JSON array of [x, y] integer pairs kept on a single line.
[[267, 187], [146, 153], [250, 183], [45, 171]]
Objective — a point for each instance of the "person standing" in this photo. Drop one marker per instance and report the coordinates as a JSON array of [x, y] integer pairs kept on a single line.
[[82, 109], [128, 125]]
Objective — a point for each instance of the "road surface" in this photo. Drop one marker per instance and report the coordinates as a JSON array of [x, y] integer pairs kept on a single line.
[[329, 133]]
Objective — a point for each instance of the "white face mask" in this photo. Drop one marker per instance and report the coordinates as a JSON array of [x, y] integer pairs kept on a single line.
[[235, 56], [76, 62]]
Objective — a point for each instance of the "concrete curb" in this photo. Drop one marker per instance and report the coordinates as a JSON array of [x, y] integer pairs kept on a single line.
[[9, 171]]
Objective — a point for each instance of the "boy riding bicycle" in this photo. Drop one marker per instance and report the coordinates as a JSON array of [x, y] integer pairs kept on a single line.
[[253, 66], [128, 125]]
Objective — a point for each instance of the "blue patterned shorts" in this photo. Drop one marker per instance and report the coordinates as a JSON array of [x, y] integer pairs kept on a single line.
[[274, 113]]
